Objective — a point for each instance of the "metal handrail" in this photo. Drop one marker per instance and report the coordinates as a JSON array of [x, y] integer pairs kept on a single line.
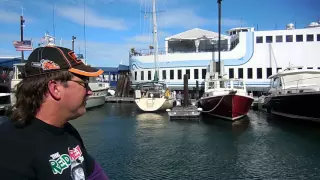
[[146, 52]]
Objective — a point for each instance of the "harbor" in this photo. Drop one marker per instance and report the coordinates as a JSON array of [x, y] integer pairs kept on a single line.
[[199, 102]]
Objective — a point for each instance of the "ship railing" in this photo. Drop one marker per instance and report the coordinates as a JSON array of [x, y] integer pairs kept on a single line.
[[172, 50], [310, 84], [227, 84]]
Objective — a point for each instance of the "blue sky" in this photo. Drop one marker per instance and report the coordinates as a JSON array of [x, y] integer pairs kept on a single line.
[[114, 26]]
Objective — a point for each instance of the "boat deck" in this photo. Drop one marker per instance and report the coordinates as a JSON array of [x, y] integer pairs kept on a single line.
[[111, 99]]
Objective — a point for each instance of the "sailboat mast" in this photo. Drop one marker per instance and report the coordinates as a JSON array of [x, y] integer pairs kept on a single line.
[[155, 38], [219, 39]]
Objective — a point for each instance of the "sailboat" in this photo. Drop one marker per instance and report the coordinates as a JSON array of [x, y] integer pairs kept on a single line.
[[224, 98], [154, 95]]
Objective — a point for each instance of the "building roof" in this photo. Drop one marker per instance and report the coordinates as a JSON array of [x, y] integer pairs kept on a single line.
[[123, 67], [108, 69], [196, 33], [114, 69], [7, 62]]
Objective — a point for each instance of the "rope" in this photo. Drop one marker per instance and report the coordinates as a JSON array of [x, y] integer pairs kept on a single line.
[[215, 106]]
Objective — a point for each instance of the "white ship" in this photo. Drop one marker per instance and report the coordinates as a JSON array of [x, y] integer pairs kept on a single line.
[[245, 54]]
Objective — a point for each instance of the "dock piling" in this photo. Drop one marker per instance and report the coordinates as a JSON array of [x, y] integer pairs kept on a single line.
[[187, 111]]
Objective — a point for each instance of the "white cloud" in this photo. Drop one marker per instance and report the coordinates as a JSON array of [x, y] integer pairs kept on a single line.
[[12, 17], [104, 53], [11, 10], [148, 38], [90, 2], [11, 3], [140, 38], [76, 15], [187, 18], [97, 53], [182, 17]]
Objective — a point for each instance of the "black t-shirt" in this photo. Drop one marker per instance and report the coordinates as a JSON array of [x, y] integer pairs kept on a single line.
[[41, 151]]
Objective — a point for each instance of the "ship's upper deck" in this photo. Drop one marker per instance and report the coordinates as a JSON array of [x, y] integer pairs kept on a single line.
[[191, 41], [199, 40]]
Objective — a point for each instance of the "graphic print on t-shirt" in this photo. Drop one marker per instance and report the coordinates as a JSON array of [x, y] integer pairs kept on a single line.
[[60, 162]]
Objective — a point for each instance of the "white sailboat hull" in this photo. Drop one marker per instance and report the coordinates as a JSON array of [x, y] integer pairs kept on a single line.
[[154, 104]]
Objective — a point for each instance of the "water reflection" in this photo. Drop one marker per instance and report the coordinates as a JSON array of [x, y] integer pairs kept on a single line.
[[237, 127], [151, 121], [149, 116]]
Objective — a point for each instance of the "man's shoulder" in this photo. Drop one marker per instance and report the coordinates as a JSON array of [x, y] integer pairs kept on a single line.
[[6, 127], [10, 131], [12, 139]]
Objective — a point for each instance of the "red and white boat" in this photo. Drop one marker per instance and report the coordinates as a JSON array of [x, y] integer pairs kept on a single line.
[[225, 98]]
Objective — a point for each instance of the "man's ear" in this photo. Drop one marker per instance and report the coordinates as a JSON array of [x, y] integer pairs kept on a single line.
[[54, 89]]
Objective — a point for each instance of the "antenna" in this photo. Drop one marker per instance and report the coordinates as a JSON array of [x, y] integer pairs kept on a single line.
[[84, 31], [22, 8], [53, 25]]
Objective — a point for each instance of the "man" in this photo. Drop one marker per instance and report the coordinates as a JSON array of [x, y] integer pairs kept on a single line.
[[39, 142]]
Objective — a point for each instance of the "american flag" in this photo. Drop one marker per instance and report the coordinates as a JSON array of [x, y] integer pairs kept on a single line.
[[23, 45]]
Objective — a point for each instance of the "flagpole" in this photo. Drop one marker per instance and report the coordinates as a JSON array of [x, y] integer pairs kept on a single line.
[[21, 35]]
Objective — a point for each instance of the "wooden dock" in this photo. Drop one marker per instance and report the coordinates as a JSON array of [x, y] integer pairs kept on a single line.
[[112, 99], [184, 113]]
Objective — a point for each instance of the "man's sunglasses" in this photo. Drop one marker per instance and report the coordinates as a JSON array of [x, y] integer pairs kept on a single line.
[[84, 84]]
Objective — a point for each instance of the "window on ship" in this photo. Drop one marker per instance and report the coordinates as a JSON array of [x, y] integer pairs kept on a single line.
[[309, 37], [240, 73], [204, 72], [188, 73], [259, 73], [179, 74], [149, 75], [196, 74], [299, 38], [164, 75], [171, 74], [249, 73], [278, 38]]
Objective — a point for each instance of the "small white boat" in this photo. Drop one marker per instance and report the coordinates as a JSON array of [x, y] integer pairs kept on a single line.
[[294, 94], [99, 93]]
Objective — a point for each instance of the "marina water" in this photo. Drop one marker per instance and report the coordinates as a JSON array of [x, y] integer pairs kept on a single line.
[[133, 145]]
